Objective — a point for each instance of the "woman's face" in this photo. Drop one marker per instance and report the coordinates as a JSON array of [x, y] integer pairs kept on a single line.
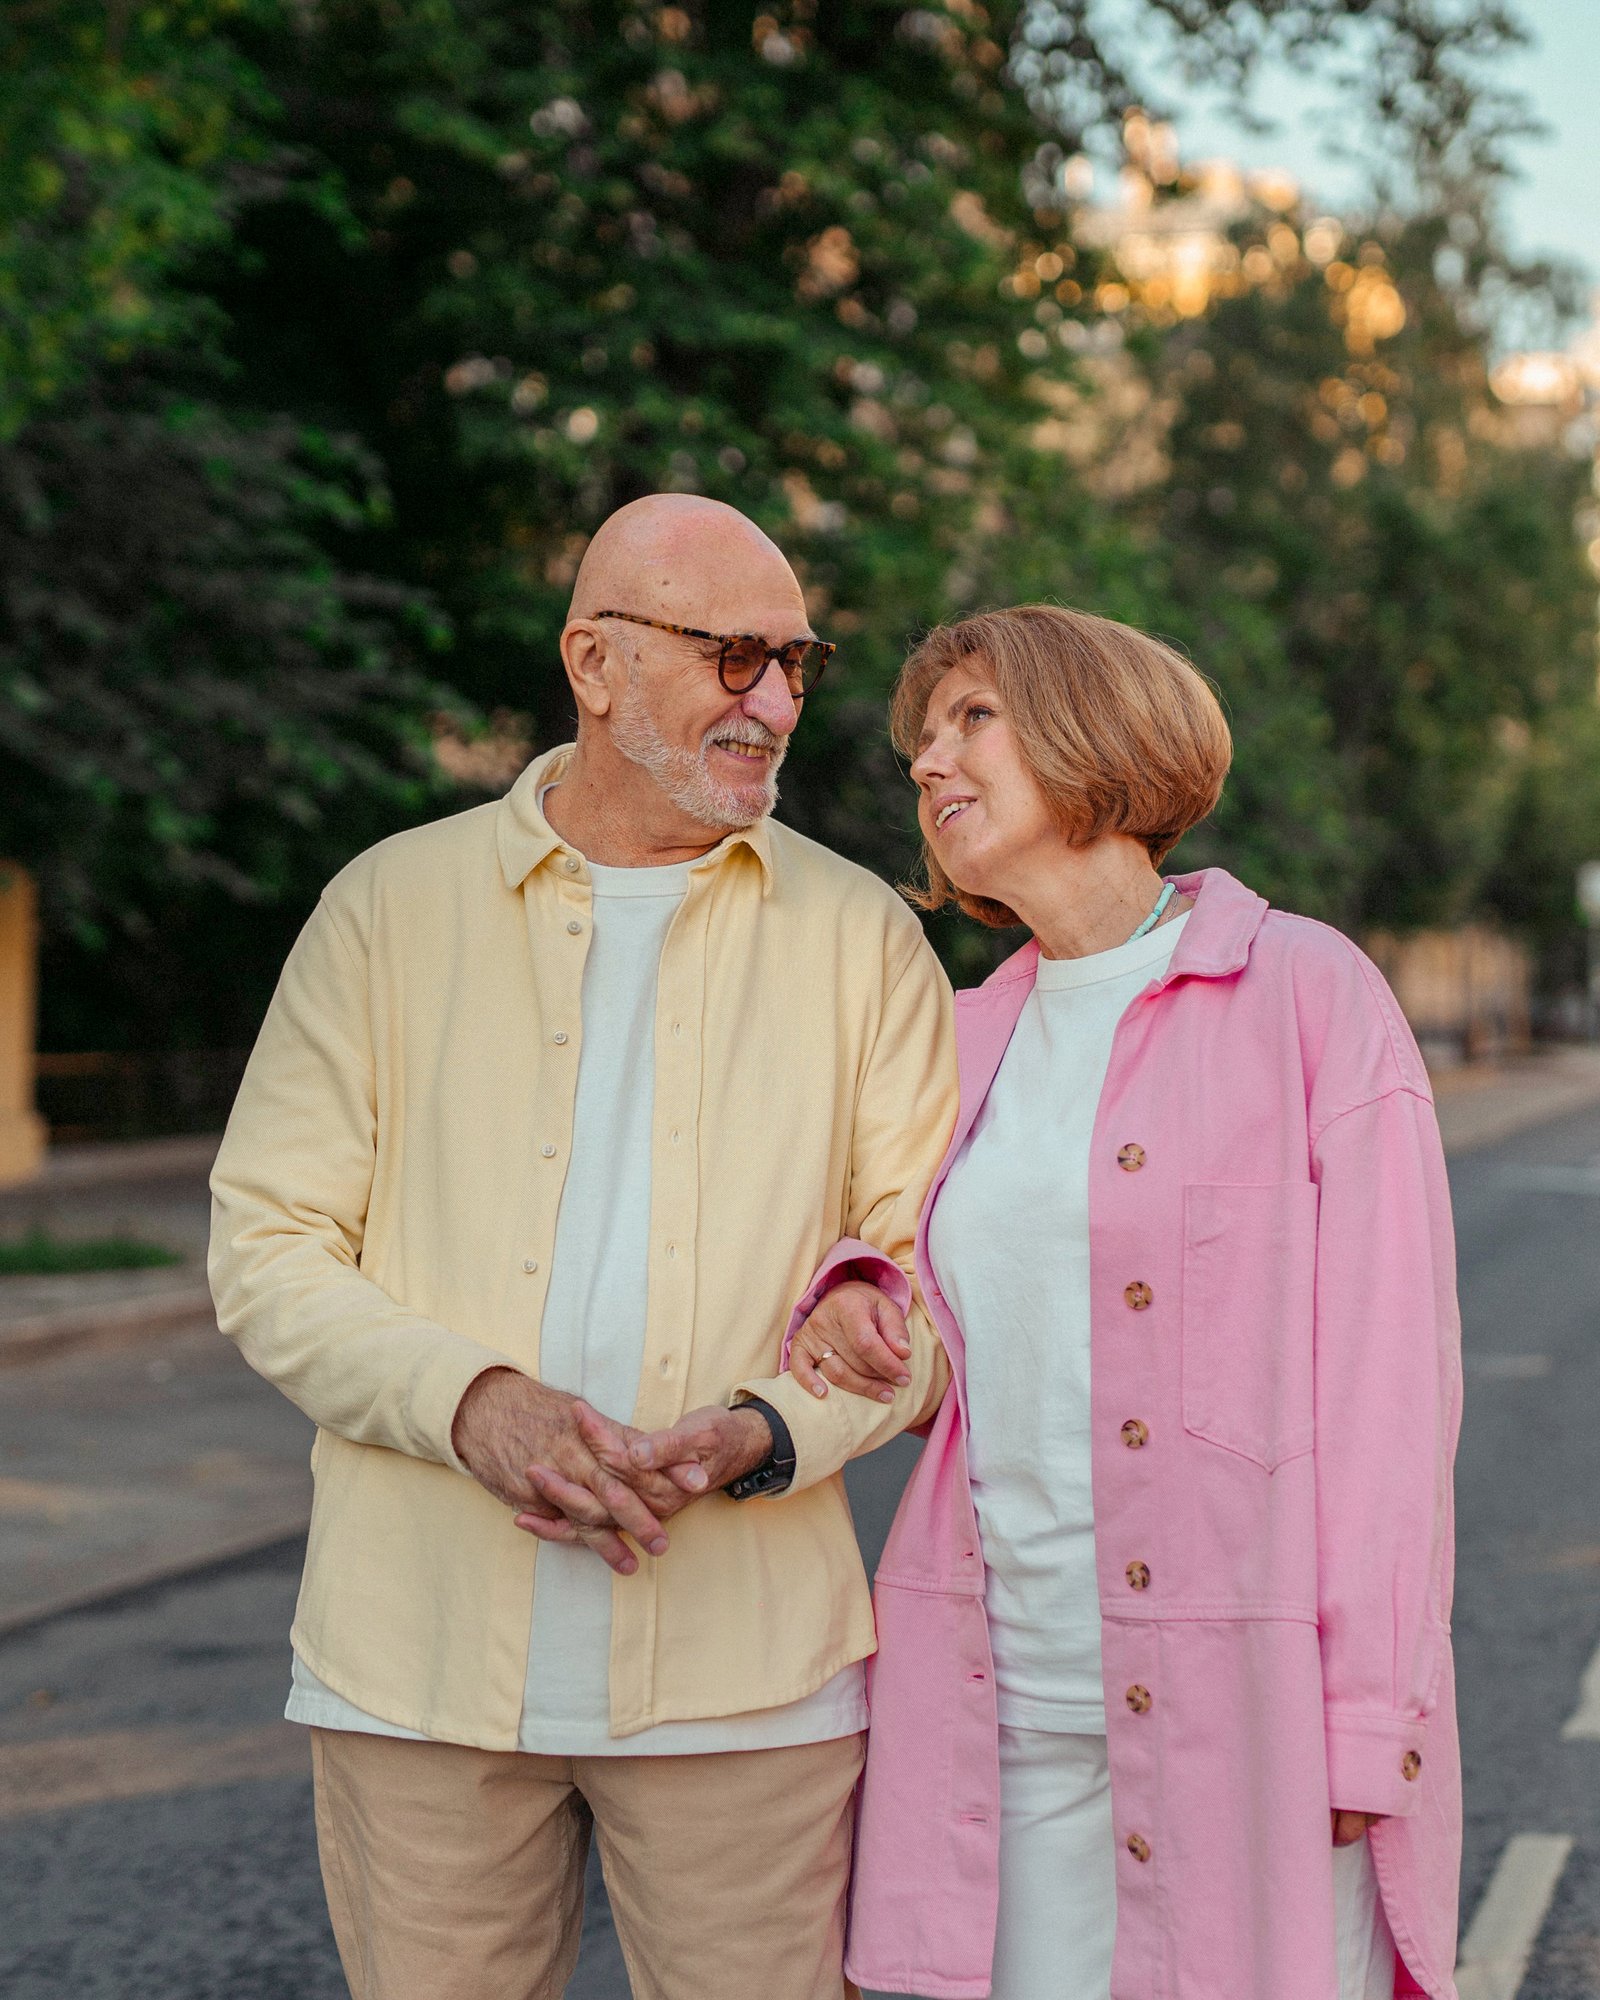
[[980, 807]]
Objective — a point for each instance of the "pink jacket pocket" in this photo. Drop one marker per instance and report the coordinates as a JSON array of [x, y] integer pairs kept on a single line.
[[1249, 1279]]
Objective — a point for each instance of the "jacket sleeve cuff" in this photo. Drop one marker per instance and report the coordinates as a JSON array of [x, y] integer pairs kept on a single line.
[[1376, 1763], [849, 1258]]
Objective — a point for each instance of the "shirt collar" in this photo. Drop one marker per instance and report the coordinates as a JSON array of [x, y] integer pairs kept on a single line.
[[1216, 940], [527, 840]]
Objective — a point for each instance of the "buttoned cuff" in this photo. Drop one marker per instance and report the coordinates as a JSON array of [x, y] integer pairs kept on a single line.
[[1375, 1763], [849, 1258]]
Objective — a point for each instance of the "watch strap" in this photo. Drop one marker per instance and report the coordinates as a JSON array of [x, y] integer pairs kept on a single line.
[[775, 1473]]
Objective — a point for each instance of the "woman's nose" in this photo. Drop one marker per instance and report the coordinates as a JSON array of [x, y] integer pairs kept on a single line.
[[930, 763]]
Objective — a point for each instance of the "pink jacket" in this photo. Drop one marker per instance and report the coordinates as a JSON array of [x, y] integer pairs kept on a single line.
[[1273, 1276]]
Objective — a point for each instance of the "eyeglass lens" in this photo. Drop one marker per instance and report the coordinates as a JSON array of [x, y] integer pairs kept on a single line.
[[744, 661]]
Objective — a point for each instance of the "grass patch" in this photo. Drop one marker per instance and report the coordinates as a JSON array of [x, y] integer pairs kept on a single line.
[[40, 1255]]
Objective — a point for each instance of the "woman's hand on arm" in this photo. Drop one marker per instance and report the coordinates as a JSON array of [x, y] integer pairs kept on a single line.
[[855, 1339], [1348, 1827]]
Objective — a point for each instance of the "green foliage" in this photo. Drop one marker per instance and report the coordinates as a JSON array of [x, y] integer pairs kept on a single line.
[[125, 143], [198, 683], [329, 333], [1411, 550], [38, 1254]]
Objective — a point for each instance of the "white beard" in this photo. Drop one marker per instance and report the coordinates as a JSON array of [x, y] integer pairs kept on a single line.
[[685, 776]]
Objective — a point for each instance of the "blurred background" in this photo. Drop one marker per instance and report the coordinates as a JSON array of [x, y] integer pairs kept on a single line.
[[330, 330]]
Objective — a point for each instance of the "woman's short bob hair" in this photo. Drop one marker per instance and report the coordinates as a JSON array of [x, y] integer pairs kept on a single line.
[[1121, 732]]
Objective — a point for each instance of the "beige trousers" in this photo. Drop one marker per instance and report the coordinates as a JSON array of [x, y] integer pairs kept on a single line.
[[457, 1874]]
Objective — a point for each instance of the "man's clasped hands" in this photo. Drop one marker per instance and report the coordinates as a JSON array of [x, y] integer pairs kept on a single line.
[[574, 1475]]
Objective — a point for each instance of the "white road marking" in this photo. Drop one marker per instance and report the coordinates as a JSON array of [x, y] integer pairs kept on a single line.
[[1555, 1180], [1584, 1721], [1508, 1367], [1500, 1939]]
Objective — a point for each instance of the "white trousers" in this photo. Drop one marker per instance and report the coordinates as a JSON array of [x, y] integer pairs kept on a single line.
[[1058, 1890]]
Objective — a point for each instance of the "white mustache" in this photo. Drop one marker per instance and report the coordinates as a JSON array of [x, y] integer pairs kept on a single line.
[[746, 730]]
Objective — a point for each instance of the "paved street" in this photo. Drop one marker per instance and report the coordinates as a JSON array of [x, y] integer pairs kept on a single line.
[[154, 1812]]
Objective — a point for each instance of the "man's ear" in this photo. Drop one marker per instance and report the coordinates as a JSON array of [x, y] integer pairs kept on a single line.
[[587, 655]]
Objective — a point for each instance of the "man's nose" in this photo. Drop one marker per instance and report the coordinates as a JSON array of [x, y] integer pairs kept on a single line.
[[771, 703]]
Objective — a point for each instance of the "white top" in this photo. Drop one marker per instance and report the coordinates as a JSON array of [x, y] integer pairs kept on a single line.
[[1009, 1243], [591, 1343]]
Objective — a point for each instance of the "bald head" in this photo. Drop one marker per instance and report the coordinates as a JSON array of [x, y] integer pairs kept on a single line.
[[691, 561]]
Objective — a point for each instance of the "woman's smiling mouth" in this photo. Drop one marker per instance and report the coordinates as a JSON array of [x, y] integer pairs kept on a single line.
[[949, 810]]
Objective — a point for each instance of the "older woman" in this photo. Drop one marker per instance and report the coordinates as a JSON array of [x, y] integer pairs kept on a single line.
[[1163, 1703]]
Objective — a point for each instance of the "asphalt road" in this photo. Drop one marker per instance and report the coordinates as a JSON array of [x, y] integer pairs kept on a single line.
[[155, 1839]]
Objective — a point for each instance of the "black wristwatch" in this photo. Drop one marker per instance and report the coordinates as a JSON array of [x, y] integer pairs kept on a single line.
[[776, 1471]]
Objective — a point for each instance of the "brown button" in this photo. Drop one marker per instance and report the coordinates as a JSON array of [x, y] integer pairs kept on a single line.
[[1138, 1296], [1138, 1847], [1410, 1766], [1138, 1699], [1134, 1434], [1138, 1575], [1131, 1159]]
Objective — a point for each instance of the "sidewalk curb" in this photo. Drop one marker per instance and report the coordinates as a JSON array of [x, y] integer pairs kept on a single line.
[[42, 1336], [277, 1532]]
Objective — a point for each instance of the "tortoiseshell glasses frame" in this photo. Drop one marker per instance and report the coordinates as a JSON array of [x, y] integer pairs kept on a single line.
[[743, 657]]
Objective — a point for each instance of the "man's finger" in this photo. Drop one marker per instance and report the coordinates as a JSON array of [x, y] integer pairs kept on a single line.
[[688, 1444], [548, 1528], [585, 1517], [628, 1511], [576, 1502]]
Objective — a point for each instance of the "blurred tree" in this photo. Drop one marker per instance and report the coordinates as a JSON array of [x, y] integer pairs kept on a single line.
[[193, 682], [819, 260], [1336, 459]]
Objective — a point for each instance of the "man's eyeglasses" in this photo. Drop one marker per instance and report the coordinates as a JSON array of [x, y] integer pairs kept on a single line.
[[743, 657]]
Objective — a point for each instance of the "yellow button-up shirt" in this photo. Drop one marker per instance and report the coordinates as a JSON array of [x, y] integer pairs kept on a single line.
[[385, 1210]]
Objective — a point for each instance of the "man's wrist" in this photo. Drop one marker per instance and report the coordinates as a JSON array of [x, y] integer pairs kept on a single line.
[[771, 1470]]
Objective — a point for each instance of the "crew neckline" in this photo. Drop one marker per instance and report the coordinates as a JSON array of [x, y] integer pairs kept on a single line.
[[670, 878], [1137, 955]]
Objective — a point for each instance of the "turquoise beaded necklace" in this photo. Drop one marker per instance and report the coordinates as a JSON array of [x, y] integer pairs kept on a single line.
[[1154, 918]]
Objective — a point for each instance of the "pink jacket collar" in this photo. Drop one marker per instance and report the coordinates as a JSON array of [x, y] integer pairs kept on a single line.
[[1215, 943]]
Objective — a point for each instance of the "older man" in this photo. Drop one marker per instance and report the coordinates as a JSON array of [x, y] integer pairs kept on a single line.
[[562, 1104]]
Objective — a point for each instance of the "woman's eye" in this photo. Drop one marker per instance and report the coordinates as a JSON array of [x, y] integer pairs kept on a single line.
[[975, 711]]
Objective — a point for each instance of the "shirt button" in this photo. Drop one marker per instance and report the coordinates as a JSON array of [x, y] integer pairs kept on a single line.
[[1410, 1766], [1134, 1434], [675, 1138], [677, 1027], [548, 1151], [570, 865], [672, 1249], [560, 1035], [1138, 1295], [1131, 1159], [666, 1364], [1138, 1699], [1138, 1575], [1138, 1847], [530, 1263], [574, 926]]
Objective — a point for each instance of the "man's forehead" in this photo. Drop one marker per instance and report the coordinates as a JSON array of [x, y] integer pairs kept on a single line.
[[724, 604]]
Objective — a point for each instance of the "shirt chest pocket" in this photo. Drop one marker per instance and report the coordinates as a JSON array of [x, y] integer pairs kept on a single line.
[[1249, 1277]]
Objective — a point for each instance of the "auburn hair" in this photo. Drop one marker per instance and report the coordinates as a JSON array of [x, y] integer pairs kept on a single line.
[[1121, 732]]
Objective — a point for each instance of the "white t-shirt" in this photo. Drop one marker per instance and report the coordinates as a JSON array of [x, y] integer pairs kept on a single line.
[[591, 1343], [1009, 1242]]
